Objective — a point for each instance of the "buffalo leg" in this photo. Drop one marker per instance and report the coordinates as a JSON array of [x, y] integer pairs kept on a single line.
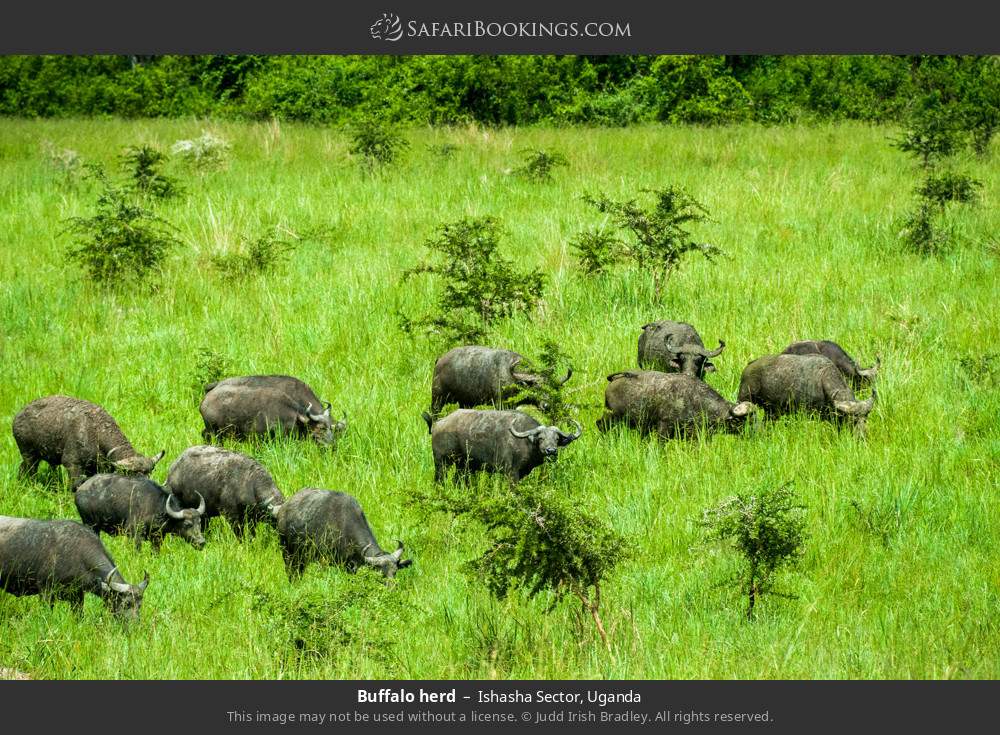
[[28, 467]]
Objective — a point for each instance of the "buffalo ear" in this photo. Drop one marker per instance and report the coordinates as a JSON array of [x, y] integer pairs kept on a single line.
[[709, 367], [405, 563]]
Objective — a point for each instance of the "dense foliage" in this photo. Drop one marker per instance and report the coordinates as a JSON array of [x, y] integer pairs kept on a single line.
[[502, 90]]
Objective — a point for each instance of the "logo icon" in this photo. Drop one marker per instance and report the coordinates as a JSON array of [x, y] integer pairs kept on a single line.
[[387, 28]]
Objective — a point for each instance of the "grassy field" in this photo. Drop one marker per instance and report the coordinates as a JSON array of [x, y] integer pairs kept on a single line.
[[805, 216]]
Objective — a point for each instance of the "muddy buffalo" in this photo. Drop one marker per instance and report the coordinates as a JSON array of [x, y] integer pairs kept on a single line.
[[79, 435], [510, 442], [669, 404], [786, 383], [330, 526], [476, 376], [675, 347], [259, 405], [137, 507], [228, 483], [858, 377], [62, 560]]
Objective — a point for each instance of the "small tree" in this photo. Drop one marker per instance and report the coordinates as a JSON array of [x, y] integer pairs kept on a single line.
[[768, 528], [123, 240], [539, 540], [143, 164], [377, 142], [934, 130], [539, 164], [479, 285], [659, 234], [552, 365]]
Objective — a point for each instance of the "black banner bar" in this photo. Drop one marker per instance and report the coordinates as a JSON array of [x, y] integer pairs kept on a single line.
[[513, 26], [491, 706]]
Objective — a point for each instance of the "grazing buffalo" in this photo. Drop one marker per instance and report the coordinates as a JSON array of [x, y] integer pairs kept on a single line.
[[138, 507], [669, 404], [267, 404], [676, 347], [227, 483], [61, 560], [475, 376], [79, 435], [330, 526], [493, 441], [856, 376], [786, 383]]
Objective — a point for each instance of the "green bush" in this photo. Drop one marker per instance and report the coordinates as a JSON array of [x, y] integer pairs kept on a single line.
[[767, 528], [123, 241], [480, 286]]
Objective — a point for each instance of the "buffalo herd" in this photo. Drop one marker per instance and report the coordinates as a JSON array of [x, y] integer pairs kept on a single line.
[[667, 395]]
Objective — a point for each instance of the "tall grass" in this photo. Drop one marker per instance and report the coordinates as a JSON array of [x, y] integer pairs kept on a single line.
[[804, 215]]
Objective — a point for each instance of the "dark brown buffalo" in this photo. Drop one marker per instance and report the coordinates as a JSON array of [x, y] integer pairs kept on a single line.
[[510, 442], [137, 507], [856, 376], [231, 484], [79, 435], [477, 376], [330, 526], [675, 347], [783, 384], [62, 560], [669, 404], [258, 405]]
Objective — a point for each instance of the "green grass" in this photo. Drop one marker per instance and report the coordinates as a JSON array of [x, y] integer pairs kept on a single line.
[[806, 217]]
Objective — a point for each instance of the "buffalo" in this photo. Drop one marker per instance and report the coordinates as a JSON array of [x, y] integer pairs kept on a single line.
[[330, 526], [510, 442], [259, 405], [62, 560], [676, 347], [228, 484], [475, 376], [858, 377], [137, 507], [784, 383], [79, 435], [669, 404]]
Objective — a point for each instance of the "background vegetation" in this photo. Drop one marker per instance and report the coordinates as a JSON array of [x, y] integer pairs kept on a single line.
[[499, 90]]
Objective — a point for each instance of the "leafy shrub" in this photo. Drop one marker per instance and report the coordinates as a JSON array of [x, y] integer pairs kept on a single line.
[[259, 256], [767, 528], [552, 365], [480, 286], [143, 164], [538, 165], [948, 187], [919, 232], [934, 130], [203, 153], [659, 235], [122, 241], [209, 367], [377, 142], [596, 250], [539, 541]]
